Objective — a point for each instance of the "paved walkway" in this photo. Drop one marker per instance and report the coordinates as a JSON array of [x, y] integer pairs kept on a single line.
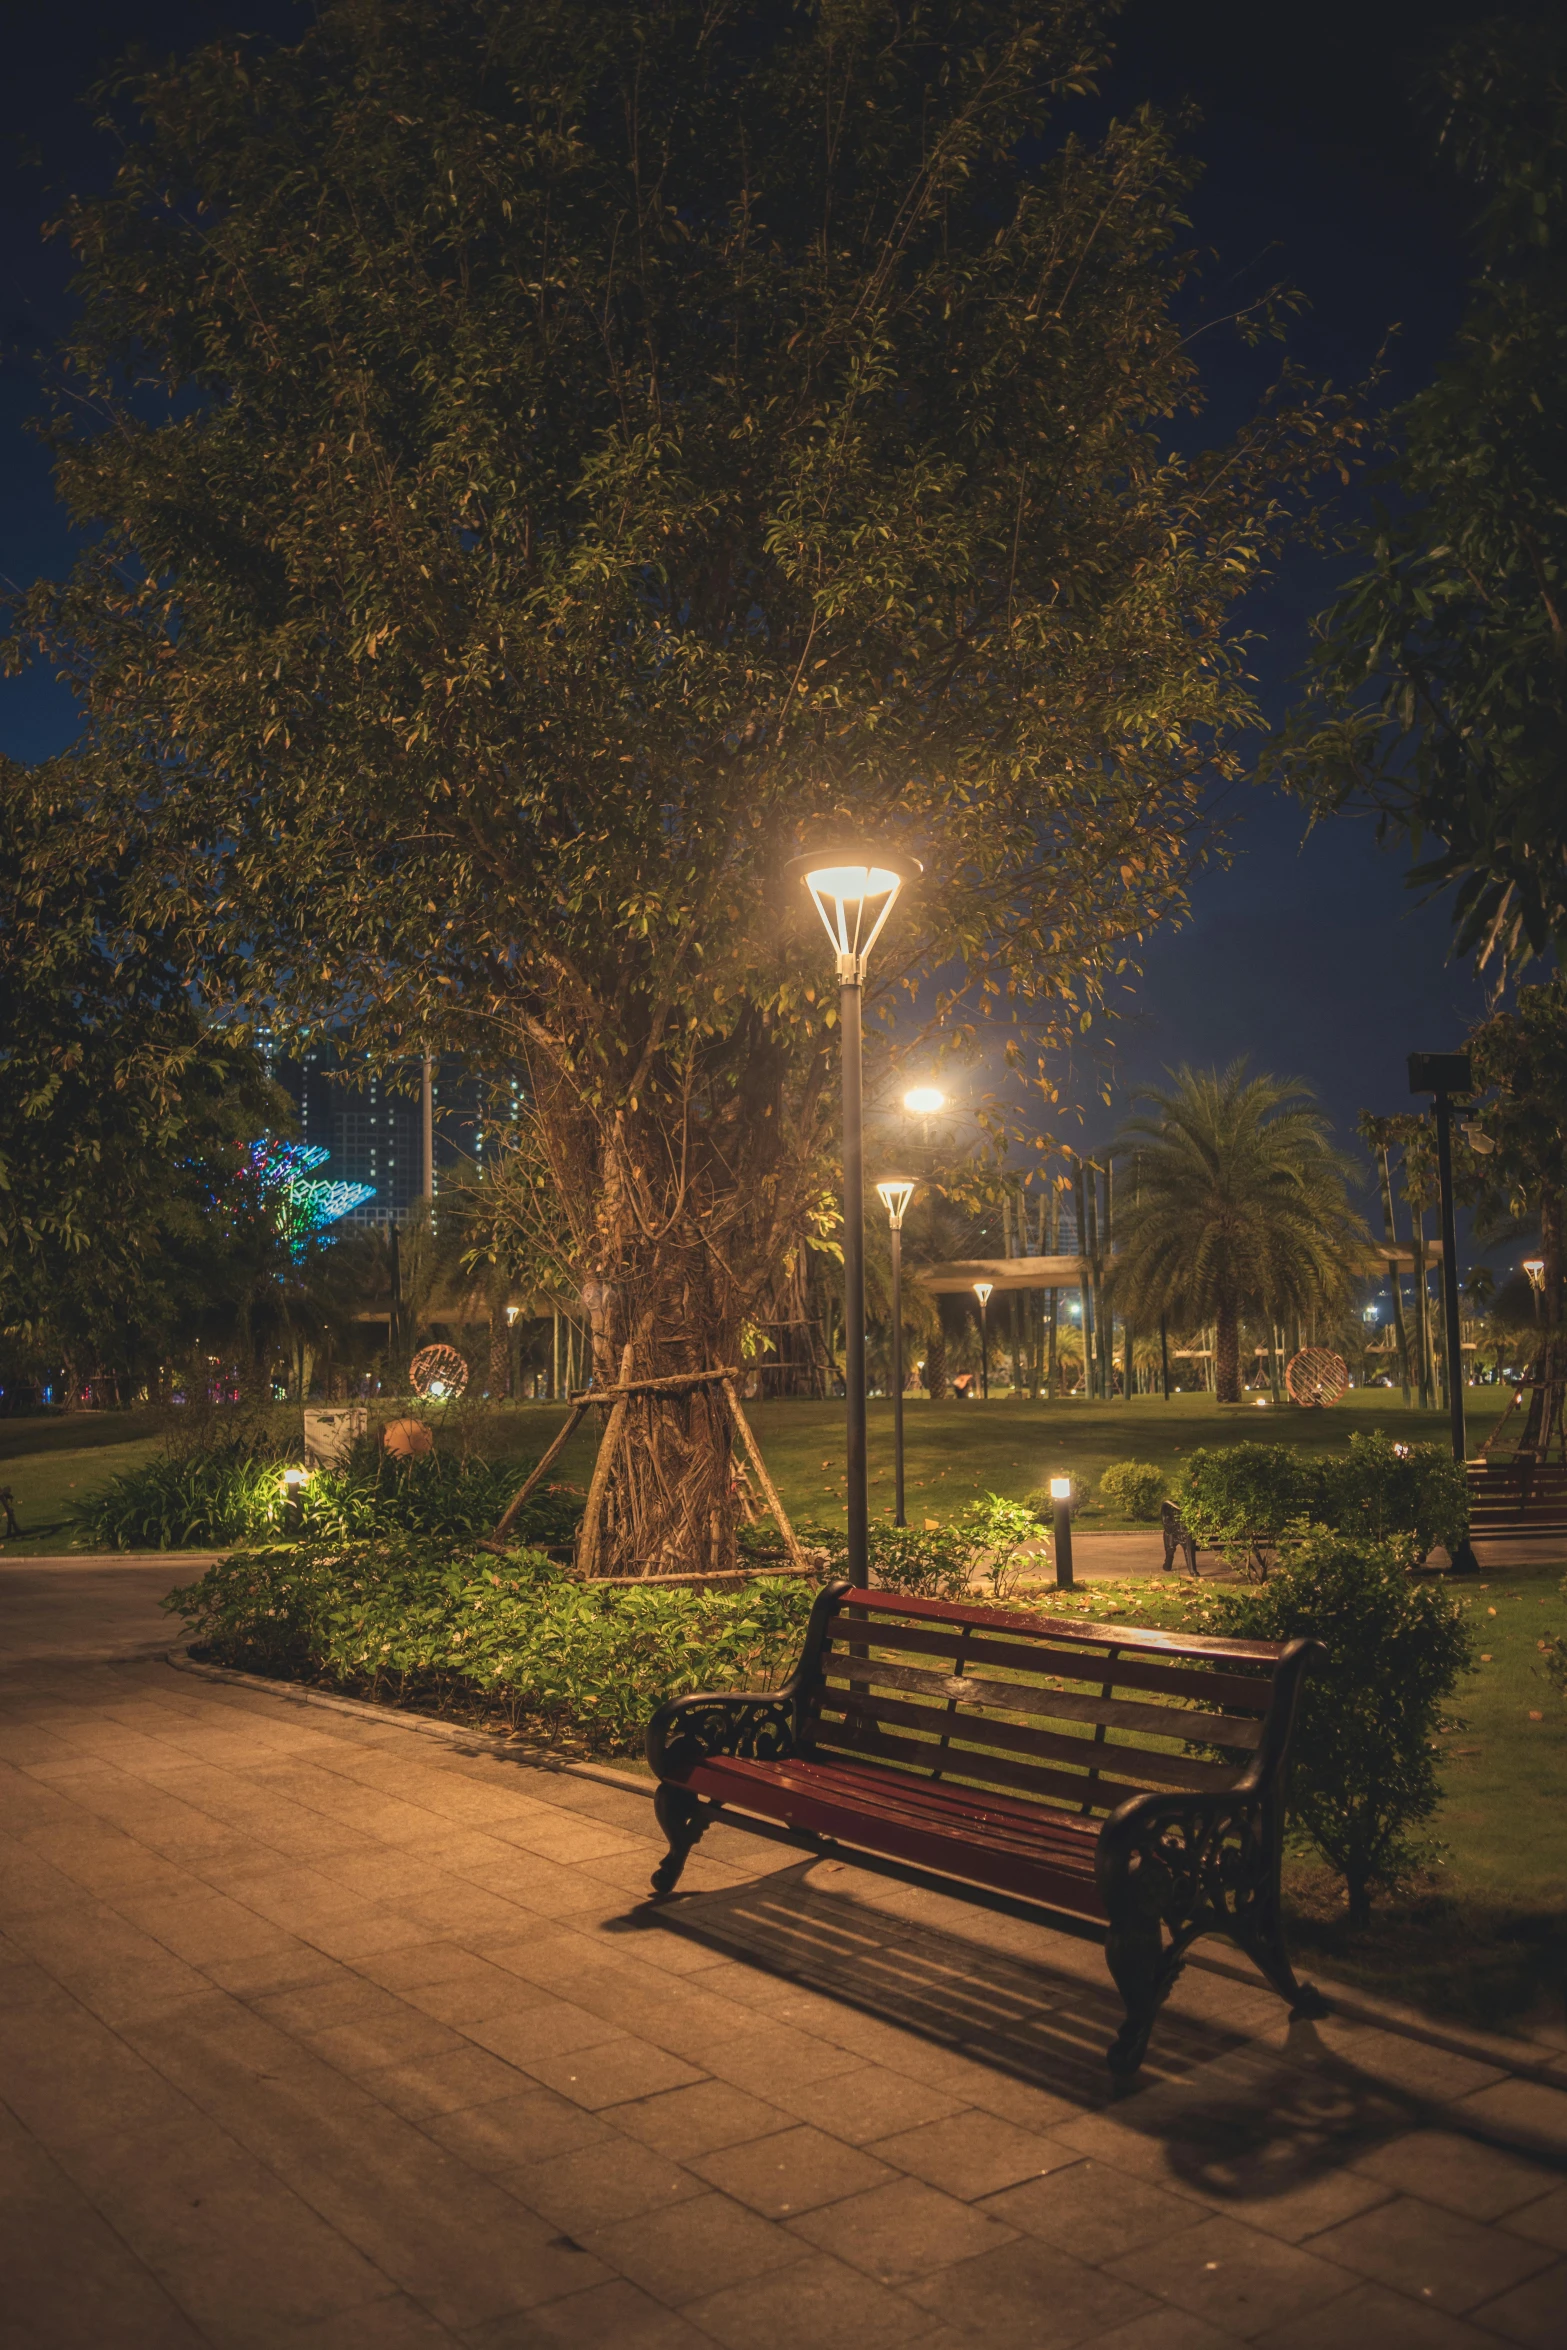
[[318, 2029]]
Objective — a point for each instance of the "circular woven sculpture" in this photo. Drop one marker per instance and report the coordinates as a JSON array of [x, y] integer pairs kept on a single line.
[[438, 1373], [1315, 1377]]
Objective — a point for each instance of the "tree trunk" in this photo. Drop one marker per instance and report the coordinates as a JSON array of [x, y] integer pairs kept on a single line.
[[500, 1358], [936, 1361], [1395, 1278], [1226, 1353]]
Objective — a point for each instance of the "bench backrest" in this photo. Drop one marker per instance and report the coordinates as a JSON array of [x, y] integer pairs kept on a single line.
[[1079, 1716]]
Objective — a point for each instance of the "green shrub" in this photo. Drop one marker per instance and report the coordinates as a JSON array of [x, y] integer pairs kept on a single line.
[[187, 1501], [1363, 1771], [425, 1619], [1133, 1489], [233, 1492], [1416, 1495], [1243, 1499], [983, 1541], [1238, 1498]]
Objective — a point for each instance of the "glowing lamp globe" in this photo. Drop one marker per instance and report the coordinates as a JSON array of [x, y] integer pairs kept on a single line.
[[924, 1101]]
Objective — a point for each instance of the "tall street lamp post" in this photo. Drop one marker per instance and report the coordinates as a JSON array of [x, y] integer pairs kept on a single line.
[[854, 889], [895, 1193], [1445, 1074], [982, 1290]]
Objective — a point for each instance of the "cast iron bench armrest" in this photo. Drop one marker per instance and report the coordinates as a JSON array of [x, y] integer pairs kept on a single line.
[[757, 1724]]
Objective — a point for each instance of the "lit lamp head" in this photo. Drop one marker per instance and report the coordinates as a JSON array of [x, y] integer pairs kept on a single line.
[[895, 1193], [1535, 1268], [924, 1101], [854, 889], [293, 1479], [982, 1290], [512, 1313], [1060, 1488]]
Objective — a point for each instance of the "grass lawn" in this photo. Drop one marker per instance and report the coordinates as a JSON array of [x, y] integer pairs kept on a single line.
[[953, 1450]]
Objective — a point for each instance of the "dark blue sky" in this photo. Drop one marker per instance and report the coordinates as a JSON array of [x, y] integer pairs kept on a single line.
[[1313, 960]]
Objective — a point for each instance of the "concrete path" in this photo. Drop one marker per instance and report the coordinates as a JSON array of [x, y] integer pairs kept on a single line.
[[318, 2029]]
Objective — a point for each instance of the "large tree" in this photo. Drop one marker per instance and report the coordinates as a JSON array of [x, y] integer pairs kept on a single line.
[[122, 1203], [1440, 693], [545, 459], [1238, 1205]]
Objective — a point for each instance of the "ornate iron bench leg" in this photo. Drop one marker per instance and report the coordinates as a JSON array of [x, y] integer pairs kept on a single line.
[[682, 1819], [1143, 1971], [1260, 1934]]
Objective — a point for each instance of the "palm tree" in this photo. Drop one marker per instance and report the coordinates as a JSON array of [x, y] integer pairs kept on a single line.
[[1237, 1204]]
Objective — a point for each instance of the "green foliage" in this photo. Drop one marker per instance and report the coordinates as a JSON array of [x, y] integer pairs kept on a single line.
[[1133, 1489], [189, 1501], [1243, 1498], [1238, 1204], [1438, 694], [982, 1543], [1237, 1496], [232, 1491], [1364, 1771], [424, 1619]]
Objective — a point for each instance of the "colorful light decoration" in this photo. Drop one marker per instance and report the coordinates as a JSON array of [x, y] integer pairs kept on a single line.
[[301, 1209]]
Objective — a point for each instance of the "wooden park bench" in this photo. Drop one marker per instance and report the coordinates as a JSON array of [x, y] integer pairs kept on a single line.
[[1517, 1497], [1058, 1761]]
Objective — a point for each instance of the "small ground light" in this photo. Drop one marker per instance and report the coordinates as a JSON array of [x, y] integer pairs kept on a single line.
[[1061, 1512], [293, 1491]]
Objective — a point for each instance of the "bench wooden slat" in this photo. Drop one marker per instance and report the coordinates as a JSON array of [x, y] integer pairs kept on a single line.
[[880, 1604], [967, 1693], [977, 1770], [954, 1734], [1079, 1662], [957, 1807]]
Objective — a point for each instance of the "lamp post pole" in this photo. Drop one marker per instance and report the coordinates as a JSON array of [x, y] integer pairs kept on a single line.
[[1061, 1513], [1445, 1074], [982, 1290], [853, 890]]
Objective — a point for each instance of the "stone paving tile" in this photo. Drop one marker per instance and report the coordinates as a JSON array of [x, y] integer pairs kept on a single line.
[[529, 2124], [71, 2283], [1169, 2329], [1233, 2275], [397, 2323], [1381, 2320], [969, 2154], [611, 2073], [901, 2231], [1534, 2314], [616, 2316], [698, 2248], [1090, 2210], [599, 2185], [447, 2083], [699, 2119], [773, 2059], [871, 2102], [817, 2302], [1437, 2256], [1527, 2112], [1544, 2222], [791, 2171], [1030, 2296], [1462, 2174], [539, 2029]]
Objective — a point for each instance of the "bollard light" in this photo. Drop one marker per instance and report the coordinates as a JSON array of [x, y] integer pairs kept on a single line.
[[1061, 1513], [293, 1490]]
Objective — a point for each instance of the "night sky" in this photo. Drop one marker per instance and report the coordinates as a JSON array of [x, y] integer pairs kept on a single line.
[[1313, 960]]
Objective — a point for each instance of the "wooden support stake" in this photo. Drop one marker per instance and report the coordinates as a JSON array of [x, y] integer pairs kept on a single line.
[[609, 1445], [769, 1489], [508, 1516]]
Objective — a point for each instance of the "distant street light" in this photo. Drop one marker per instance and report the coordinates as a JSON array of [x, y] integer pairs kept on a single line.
[[895, 1193], [1534, 1267], [854, 890], [982, 1290], [1444, 1074]]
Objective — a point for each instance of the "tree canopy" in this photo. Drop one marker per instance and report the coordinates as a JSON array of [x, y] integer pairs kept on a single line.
[[544, 461], [1440, 692]]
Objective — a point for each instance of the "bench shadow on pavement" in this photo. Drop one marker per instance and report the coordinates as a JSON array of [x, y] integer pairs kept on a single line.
[[1238, 2120]]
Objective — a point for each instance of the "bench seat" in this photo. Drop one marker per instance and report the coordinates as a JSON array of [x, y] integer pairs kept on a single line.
[[1131, 1777]]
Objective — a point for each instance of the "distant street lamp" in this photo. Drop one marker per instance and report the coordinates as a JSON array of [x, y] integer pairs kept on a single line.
[[982, 1290], [925, 1102], [1446, 1074], [1534, 1267], [895, 1193], [854, 890]]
